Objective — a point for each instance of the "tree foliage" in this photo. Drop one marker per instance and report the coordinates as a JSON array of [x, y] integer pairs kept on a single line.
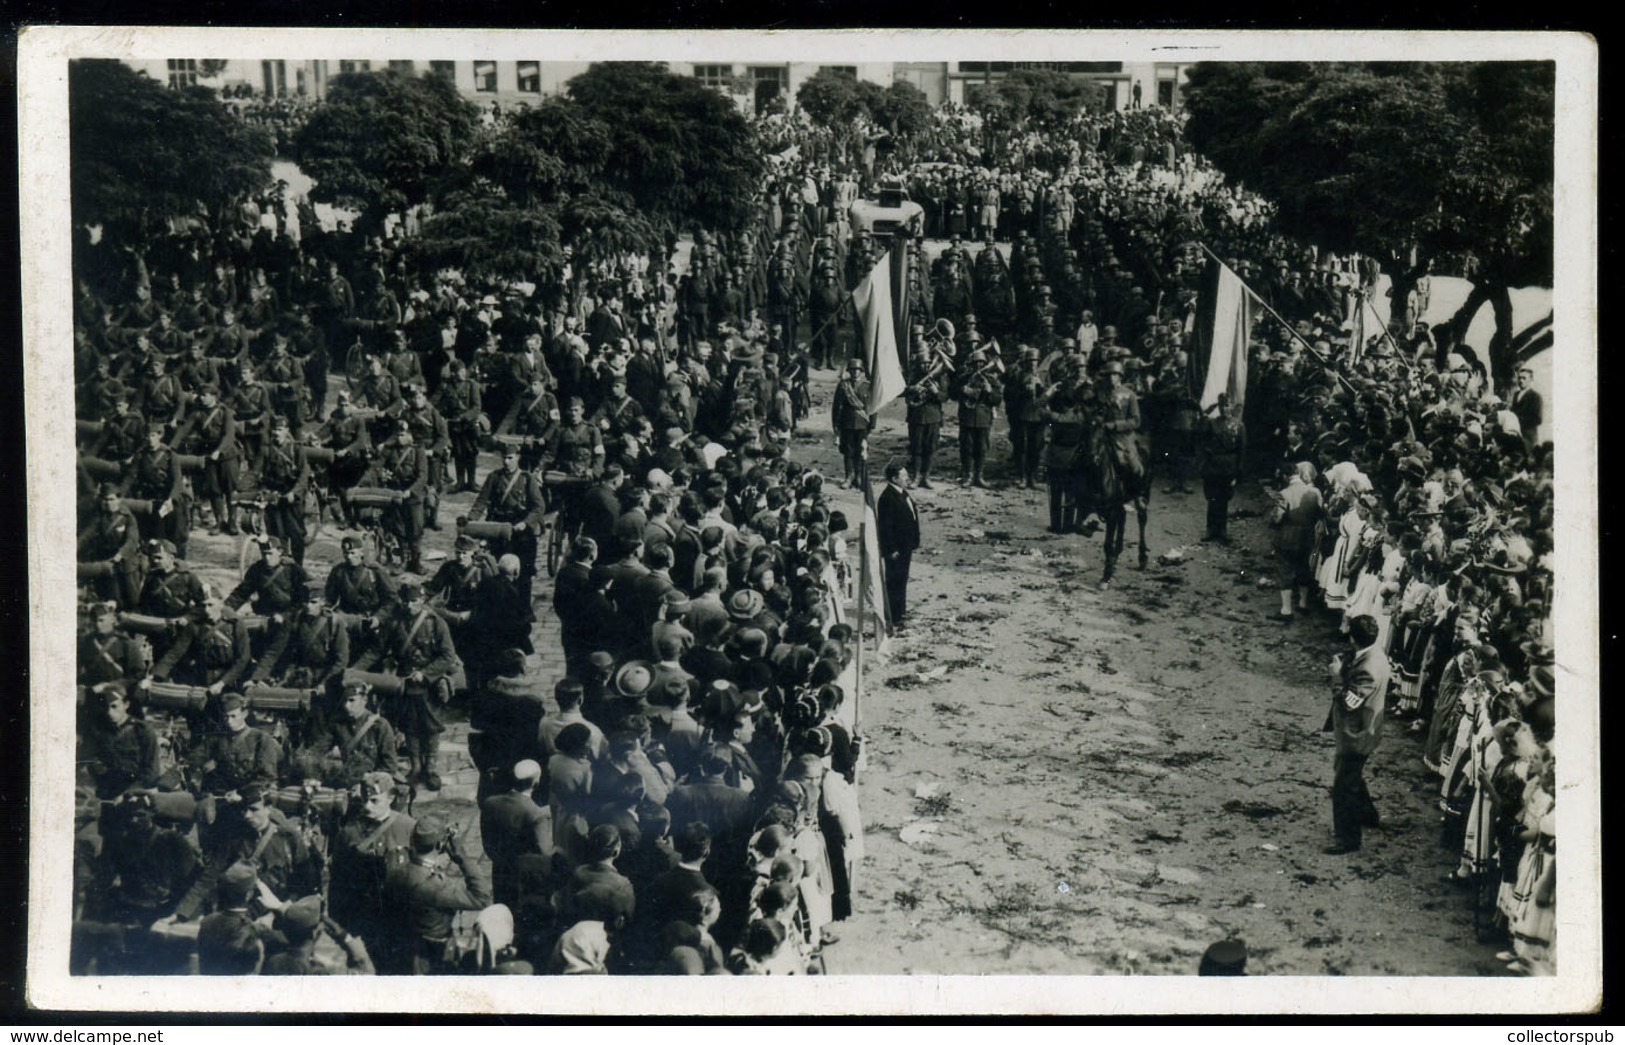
[[1394, 159], [903, 109], [143, 153], [679, 150], [830, 98], [480, 231], [382, 142], [1034, 98]]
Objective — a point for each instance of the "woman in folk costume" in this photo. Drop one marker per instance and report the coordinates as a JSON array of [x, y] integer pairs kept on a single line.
[[1533, 916], [1472, 778], [1336, 568], [1411, 617], [1374, 587], [1297, 510], [839, 818]]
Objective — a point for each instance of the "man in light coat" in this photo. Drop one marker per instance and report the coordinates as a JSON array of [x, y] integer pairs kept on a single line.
[[1359, 696]]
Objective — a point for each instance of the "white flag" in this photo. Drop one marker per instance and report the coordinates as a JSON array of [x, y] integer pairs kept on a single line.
[[873, 298], [1232, 326]]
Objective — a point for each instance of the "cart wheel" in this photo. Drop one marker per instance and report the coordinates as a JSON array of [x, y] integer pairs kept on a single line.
[[314, 515]]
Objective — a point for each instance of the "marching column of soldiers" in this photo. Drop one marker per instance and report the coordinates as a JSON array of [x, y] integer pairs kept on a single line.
[[255, 736]]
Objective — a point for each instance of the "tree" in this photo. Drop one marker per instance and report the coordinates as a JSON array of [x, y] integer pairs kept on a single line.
[[1405, 162], [481, 232], [383, 142], [143, 154], [830, 98], [903, 109], [678, 149]]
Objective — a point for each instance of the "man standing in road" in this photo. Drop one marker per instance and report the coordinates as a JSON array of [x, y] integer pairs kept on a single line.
[[1359, 692], [899, 534]]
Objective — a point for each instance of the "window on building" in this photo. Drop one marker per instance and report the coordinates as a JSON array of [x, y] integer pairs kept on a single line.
[[530, 77], [299, 82], [444, 70], [183, 72], [406, 66], [772, 82], [276, 78], [351, 65], [718, 76], [485, 76], [1165, 93], [842, 70]]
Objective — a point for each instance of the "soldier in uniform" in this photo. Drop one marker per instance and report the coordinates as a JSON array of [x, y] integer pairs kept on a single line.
[[424, 894], [512, 495], [284, 481], [123, 433], [852, 423], [459, 403], [123, 749], [308, 649], [251, 409], [1065, 418], [211, 433], [371, 842], [1222, 448], [578, 448], [925, 397], [113, 537], [455, 584], [537, 420], [1024, 406], [402, 466], [617, 415], [823, 304], [211, 651], [154, 475], [274, 586], [430, 431], [379, 388], [354, 744], [978, 399], [238, 756], [285, 379], [168, 591], [415, 644], [360, 590], [348, 437], [108, 657]]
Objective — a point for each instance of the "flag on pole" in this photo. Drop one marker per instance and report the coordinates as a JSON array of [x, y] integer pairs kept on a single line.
[[873, 299], [1227, 319], [1357, 327]]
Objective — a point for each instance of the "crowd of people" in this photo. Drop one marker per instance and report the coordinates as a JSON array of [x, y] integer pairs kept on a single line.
[[683, 800]]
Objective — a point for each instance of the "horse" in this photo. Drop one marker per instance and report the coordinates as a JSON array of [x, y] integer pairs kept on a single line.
[[1109, 485]]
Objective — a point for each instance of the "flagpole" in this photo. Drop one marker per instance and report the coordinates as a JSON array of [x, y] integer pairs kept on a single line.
[[1290, 329], [1397, 350], [863, 591]]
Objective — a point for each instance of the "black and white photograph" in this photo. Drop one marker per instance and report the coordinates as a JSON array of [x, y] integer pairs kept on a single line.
[[976, 522]]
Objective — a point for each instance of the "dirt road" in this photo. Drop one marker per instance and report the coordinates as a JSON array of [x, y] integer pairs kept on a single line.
[[1064, 780]]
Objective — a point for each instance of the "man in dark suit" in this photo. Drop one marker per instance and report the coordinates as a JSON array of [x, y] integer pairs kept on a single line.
[[899, 535], [1359, 693], [1525, 404]]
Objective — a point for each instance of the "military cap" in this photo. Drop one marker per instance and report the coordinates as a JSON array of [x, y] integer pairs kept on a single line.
[[352, 686], [233, 702], [429, 833], [1029, 352], [155, 546], [104, 609], [351, 544], [343, 396], [1114, 367], [107, 490], [237, 881], [465, 543], [375, 783], [115, 391], [267, 542], [300, 918], [411, 590]]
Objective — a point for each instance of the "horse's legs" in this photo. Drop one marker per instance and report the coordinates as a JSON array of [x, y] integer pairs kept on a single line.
[[1116, 524]]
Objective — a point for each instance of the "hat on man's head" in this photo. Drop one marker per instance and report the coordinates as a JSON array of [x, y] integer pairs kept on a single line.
[[267, 542], [527, 769], [237, 883], [410, 591], [233, 702], [675, 601], [634, 679], [465, 543], [107, 491], [745, 605], [601, 661], [155, 546], [351, 544]]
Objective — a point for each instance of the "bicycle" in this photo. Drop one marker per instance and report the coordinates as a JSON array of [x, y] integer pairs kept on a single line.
[[370, 511]]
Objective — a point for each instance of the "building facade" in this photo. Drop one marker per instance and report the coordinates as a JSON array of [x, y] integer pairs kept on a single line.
[[754, 86]]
